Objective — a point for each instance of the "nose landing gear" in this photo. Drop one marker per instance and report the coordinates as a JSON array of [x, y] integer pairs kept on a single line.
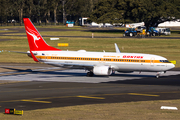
[[160, 73]]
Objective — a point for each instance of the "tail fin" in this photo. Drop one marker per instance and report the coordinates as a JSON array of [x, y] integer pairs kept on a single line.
[[36, 42]]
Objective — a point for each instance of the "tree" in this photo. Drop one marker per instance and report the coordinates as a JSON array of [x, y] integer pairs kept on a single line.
[[45, 10], [152, 12], [20, 6], [6, 10], [79, 8], [108, 11], [29, 8]]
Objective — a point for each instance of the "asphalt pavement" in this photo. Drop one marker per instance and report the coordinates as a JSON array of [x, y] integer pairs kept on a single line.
[[37, 93]]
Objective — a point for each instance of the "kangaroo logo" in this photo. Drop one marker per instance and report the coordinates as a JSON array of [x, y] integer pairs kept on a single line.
[[34, 34]]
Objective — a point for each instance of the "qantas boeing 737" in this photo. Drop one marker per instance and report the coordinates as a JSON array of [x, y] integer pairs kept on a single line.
[[97, 63]]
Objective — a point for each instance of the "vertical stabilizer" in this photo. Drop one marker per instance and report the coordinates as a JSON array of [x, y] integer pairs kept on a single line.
[[36, 42]]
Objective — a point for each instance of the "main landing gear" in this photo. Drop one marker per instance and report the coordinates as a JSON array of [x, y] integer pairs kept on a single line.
[[90, 74]]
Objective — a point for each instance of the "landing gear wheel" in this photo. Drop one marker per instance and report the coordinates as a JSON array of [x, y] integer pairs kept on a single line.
[[130, 34], [157, 76], [148, 34], [90, 74]]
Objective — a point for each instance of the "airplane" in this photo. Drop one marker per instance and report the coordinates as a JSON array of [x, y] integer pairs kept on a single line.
[[96, 63], [134, 25]]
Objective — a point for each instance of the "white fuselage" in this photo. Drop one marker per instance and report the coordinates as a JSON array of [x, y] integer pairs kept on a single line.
[[117, 61], [97, 63]]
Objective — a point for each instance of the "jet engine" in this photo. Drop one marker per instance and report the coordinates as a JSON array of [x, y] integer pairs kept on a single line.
[[102, 70]]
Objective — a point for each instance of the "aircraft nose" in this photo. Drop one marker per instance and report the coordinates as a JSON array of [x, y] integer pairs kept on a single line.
[[171, 66]]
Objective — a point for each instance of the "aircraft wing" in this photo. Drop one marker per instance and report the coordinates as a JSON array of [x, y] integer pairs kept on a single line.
[[71, 65]]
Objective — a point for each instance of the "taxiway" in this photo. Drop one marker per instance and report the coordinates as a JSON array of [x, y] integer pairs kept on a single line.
[[37, 86]]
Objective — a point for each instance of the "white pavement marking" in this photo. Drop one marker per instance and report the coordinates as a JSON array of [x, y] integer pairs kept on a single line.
[[169, 108], [80, 76]]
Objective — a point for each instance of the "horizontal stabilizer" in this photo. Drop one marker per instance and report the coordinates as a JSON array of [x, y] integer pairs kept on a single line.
[[15, 51]]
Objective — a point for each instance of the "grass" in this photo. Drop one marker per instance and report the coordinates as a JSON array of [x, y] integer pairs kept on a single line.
[[73, 33], [5, 31], [145, 110], [41, 26], [169, 48], [164, 47]]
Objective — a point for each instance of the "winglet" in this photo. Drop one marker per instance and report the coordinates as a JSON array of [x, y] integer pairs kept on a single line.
[[34, 58], [117, 49]]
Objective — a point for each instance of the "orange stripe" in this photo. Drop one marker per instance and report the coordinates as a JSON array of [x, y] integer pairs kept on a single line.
[[98, 59]]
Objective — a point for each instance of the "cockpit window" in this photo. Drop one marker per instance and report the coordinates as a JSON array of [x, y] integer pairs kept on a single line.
[[164, 61]]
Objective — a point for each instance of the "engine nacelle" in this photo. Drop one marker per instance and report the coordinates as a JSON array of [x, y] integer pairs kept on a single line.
[[102, 70]]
